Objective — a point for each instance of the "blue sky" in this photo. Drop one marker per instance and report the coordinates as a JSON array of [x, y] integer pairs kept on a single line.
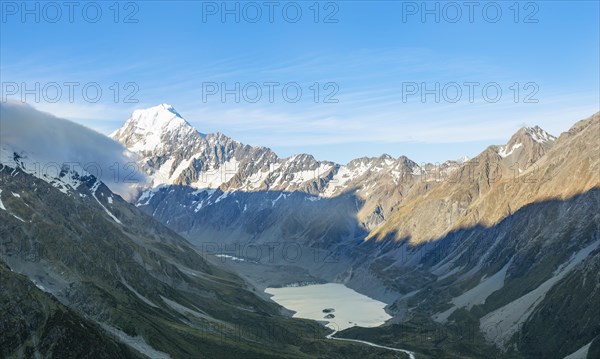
[[369, 56]]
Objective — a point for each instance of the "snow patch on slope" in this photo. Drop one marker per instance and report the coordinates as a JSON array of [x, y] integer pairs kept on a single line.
[[65, 178], [93, 190], [503, 150], [2, 204], [539, 135]]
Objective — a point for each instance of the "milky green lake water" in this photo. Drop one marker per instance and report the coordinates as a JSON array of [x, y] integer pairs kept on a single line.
[[351, 307]]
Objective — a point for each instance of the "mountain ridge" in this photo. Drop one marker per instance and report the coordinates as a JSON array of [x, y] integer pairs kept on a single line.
[[535, 133], [386, 186], [216, 161]]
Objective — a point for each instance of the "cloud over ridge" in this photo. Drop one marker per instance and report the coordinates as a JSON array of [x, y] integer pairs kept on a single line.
[[49, 139]]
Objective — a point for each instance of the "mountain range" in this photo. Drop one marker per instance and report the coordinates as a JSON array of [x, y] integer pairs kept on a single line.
[[389, 227], [493, 256]]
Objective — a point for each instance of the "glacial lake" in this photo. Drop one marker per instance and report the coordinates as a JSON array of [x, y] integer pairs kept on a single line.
[[350, 308]]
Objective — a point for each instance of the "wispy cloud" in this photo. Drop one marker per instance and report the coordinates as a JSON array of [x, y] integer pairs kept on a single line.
[[49, 139]]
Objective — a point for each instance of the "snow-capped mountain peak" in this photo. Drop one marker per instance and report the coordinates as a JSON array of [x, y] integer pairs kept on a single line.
[[526, 146], [531, 134], [539, 135], [157, 119], [152, 128]]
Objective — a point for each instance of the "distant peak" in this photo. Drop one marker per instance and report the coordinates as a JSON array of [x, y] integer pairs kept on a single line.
[[171, 109], [157, 118], [537, 134], [526, 136], [302, 157], [152, 128], [155, 110]]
